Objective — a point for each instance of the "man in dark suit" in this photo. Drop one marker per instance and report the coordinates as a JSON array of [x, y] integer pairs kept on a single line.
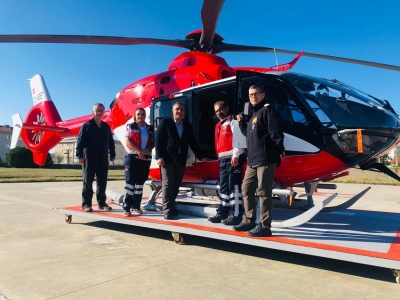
[[173, 137]]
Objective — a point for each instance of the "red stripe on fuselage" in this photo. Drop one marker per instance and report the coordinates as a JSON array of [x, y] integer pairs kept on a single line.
[[293, 169]]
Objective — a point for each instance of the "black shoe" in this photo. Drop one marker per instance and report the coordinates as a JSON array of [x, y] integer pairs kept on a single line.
[[104, 207], [218, 218], [232, 220], [87, 208], [260, 231], [173, 212], [244, 226], [167, 216]]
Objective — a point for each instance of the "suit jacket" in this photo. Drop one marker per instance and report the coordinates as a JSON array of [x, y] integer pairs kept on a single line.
[[170, 146]]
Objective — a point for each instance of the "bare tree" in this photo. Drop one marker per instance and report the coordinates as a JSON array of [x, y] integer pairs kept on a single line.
[[58, 158]]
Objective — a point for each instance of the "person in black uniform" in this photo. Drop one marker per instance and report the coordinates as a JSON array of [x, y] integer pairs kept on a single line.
[[173, 136], [94, 143], [139, 138], [264, 138]]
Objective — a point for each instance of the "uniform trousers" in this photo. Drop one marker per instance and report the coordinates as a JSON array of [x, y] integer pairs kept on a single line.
[[230, 182], [95, 164], [136, 174]]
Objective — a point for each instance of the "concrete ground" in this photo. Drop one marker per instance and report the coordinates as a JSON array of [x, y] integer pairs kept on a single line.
[[42, 257]]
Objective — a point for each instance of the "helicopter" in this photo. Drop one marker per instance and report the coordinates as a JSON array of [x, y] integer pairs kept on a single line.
[[329, 126]]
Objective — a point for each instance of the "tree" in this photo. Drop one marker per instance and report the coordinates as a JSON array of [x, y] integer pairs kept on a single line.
[[20, 157], [58, 158], [49, 160], [385, 159]]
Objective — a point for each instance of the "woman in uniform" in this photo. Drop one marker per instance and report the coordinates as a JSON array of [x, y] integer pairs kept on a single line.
[[139, 139]]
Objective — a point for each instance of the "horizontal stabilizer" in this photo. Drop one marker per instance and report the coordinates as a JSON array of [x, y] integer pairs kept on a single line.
[[44, 127]]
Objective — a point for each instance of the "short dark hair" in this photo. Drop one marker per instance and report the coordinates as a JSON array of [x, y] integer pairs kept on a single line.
[[258, 86], [222, 103]]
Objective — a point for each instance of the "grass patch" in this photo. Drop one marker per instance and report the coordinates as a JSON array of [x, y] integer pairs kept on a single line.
[[367, 180], [8, 175]]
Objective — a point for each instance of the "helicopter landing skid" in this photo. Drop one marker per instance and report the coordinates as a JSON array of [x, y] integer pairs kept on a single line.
[[306, 216]]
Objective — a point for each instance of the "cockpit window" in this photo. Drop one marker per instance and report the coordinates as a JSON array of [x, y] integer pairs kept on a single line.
[[317, 86], [338, 105]]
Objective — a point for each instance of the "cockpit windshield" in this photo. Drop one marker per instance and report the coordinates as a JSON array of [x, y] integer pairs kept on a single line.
[[340, 106], [360, 125], [315, 86]]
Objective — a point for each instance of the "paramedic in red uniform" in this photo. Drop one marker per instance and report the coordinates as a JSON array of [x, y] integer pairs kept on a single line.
[[231, 160], [139, 139], [94, 142]]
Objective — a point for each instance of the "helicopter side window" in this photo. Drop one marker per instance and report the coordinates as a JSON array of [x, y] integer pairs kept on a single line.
[[323, 118], [163, 109], [285, 104]]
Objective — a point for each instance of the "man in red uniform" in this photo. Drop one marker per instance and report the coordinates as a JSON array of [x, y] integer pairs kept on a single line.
[[231, 160]]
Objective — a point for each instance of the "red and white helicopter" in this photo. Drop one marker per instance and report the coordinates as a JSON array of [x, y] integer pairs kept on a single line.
[[329, 126]]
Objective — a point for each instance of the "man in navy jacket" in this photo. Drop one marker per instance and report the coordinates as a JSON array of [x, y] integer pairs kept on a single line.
[[173, 137], [264, 139], [95, 142]]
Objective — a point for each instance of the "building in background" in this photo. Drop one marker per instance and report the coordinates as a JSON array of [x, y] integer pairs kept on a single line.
[[394, 152], [5, 141], [64, 152]]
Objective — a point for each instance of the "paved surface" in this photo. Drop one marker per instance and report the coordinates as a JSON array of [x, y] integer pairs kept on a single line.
[[42, 257]]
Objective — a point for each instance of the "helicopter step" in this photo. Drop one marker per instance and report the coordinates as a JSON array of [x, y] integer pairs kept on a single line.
[[364, 237]]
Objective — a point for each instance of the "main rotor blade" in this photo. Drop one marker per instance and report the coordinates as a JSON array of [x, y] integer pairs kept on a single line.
[[90, 39], [209, 16], [220, 47]]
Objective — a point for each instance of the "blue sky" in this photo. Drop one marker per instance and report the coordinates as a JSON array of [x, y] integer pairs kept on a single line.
[[79, 75]]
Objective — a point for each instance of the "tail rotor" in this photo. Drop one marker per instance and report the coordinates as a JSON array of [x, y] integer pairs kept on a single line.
[[37, 133]]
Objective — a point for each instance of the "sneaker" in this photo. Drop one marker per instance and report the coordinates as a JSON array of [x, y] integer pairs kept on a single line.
[[244, 226], [232, 220], [167, 216], [87, 208], [105, 207], [137, 211], [127, 213], [260, 231], [217, 218]]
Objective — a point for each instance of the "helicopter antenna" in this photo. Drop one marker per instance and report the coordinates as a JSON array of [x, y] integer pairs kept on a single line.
[[276, 58]]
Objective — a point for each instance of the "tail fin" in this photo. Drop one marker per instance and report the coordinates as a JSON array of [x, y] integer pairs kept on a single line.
[[17, 126], [39, 131]]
